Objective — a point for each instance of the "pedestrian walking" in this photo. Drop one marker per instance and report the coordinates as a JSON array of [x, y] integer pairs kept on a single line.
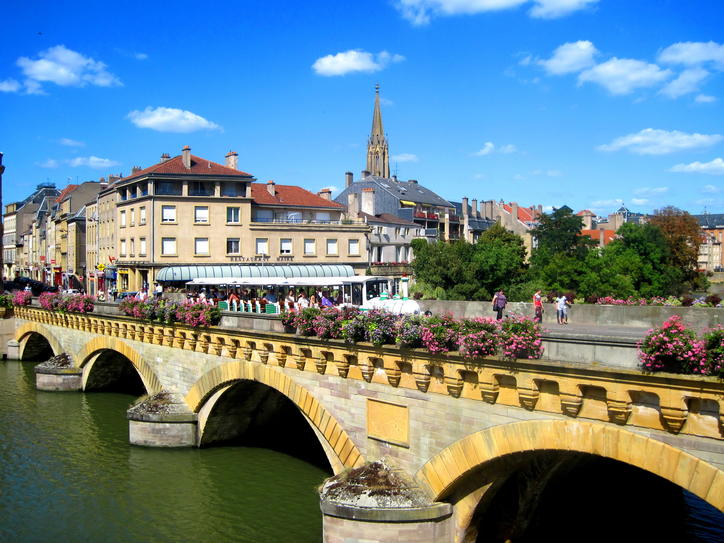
[[562, 304], [538, 307], [499, 303]]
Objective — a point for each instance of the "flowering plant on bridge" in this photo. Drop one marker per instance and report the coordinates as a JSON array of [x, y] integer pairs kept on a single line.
[[381, 327], [673, 347], [714, 345], [520, 337], [439, 334], [479, 337], [193, 314], [22, 297], [198, 314]]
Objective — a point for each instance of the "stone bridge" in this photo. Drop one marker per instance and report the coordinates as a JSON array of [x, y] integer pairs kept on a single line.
[[457, 431]]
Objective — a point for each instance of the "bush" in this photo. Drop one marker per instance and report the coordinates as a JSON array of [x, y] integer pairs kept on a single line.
[[381, 329], [6, 301], [713, 300], [479, 338], [304, 321], [714, 345], [22, 297], [354, 328], [674, 348], [409, 333], [520, 338], [439, 334], [193, 314]]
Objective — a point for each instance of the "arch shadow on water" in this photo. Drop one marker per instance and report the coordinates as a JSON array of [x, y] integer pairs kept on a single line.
[[252, 414]]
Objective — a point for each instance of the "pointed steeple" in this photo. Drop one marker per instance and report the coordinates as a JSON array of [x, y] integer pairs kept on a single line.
[[378, 160]]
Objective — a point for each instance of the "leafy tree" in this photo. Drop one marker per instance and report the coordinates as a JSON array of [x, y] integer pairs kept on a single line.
[[683, 236], [559, 232]]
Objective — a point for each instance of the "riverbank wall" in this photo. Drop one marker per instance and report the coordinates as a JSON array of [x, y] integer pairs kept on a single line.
[[632, 316]]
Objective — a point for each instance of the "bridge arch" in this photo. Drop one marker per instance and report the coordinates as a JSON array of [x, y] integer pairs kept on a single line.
[[92, 350], [446, 473], [25, 335], [341, 451]]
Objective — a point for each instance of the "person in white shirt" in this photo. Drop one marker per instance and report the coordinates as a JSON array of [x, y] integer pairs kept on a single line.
[[562, 304], [302, 301], [158, 290]]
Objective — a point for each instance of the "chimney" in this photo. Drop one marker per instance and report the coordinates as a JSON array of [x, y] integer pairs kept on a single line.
[[368, 201], [325, 193], [270, 187], [413, 181], [394, 178], [135, 170], [467, 235], [102, 180], [113, 178], [186, 158], [474, 210], [540, 209], [465, 206], [165, 157], [232, 160], [514, 210], [365, 173], [601, 236], [348, 179], [353, 205]]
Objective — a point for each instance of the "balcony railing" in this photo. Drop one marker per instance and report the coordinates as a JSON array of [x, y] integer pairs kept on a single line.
[[307, 221]]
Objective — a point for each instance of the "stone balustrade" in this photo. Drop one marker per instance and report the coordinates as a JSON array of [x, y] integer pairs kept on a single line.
[[678, 404]]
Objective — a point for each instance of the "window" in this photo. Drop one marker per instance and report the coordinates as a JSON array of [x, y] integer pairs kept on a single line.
[[232, 215], [201, 188], [168, 246], [201, 214], [233, 188], [285, 247], [404, 231], [201, 246], [400, 254], [331, 246], [310, 247], [168, 213], [142, 216], [397, 232], [133, 247], [264, 215], [262, 246], [133, 217], [378, 230], [144, 189], [169, 188], [123, 247], [123, 219], [233, 247], [142, 247], [322, 216], [353, 248]]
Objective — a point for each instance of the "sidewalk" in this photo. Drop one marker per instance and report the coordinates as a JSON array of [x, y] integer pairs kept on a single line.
[[573, 330]]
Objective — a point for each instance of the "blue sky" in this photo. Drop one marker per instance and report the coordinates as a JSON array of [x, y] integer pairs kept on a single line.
[[588, 103]]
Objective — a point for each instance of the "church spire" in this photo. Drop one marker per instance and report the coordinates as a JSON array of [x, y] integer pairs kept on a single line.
[[378, 160]]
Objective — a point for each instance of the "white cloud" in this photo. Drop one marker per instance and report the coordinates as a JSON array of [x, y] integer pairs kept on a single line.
[[649, 191], [405, 157], [687, 82], [704, 99], [489, 148], [650, 141], [570, 57], [711, 189], [9, 85], [354, 60], [547, 173], [714, 167], [420, 12], [92, 162], [639, 201], [64, 67], [624, 75], [140, 56], [49, 163], [71, 143], [169, 119], [606, 203], [552, 9], [691, 52]]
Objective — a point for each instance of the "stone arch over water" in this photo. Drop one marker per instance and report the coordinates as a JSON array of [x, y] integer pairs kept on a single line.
[[101, 348], [34, 339], [466, 473], [341, 452]]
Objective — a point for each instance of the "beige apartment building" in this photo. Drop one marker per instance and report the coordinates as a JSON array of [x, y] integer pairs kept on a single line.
[[186, 213]]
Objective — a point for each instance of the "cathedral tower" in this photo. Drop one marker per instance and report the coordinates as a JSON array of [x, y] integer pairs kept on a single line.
[[378, 158]]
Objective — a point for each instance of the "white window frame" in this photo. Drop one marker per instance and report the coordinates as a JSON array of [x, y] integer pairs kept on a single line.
[[285, 250], [261, 245], [238, 214], [332, 244], [310, 243], [170, 210], [142, 215], [142, 247], [238, 251], [200, 220], [164, 241], [123, 248], [353, 251], [196, 247], [122, 222]]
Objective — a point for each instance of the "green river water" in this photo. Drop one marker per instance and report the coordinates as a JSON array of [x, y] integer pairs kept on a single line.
[[68, 473]]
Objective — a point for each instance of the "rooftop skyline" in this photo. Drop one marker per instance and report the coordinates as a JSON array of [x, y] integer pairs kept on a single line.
[[589, 103]]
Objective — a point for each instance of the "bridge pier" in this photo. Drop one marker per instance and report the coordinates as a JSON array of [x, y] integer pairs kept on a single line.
[[376, 503], [162, 420], [58, 379]]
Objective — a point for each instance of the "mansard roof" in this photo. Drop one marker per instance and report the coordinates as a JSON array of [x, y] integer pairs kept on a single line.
[[402, 190]]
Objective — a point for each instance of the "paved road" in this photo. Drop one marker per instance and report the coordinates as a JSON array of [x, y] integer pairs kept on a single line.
[[573, 329]]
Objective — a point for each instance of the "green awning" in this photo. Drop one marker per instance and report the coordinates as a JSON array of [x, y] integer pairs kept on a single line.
[[188, 273]]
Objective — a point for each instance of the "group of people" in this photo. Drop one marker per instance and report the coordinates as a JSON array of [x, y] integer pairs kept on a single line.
[[291, 301], [562, 305]]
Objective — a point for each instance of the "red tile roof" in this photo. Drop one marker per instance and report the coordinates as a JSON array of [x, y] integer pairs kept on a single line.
[[289, 195], [524, 214], [65, 192], [595, 235], [584, 212], [199, 166]]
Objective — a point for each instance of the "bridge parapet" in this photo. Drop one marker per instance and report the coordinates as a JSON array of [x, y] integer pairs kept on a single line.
[[677, 404]]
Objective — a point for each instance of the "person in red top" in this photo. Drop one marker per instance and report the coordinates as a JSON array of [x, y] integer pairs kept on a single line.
[[538, 306]]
